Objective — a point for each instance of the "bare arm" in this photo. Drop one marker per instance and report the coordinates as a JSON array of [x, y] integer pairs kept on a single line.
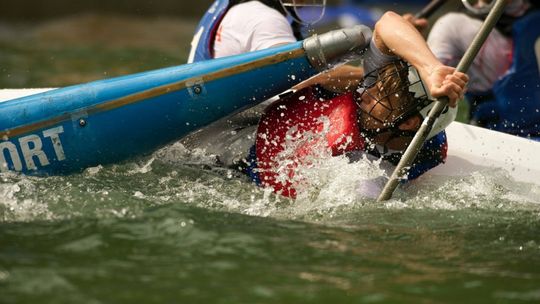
[[420, 24], [394, 35], [340, 79]]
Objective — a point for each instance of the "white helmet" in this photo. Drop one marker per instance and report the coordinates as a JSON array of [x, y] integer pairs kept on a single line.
[[304, 11], [389, 97]]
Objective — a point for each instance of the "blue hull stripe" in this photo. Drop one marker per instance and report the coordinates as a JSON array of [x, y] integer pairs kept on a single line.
[[153, 92], [107, 121]]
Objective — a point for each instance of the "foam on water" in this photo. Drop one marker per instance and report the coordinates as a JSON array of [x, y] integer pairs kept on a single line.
[[24, 208], [153, 220], [327, 186]]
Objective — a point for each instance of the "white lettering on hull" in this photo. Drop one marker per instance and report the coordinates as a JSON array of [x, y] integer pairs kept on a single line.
[[54, 135], [11, 150], [30, 149]]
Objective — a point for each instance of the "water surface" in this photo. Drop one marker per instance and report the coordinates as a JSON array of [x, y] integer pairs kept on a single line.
[[173, 228]]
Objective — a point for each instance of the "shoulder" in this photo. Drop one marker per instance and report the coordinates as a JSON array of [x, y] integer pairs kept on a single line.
[[255, 26], [257, 20], [254, 17]]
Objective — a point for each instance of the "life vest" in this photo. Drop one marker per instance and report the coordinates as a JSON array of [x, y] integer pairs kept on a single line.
[[518, 92], [433, 153], [202, 45], [295, 127], [303, 125]]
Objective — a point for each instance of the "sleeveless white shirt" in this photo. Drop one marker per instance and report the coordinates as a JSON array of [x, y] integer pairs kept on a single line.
[[251, 26]]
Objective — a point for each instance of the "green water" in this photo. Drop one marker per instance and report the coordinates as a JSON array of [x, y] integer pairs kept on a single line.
[[171, 228]]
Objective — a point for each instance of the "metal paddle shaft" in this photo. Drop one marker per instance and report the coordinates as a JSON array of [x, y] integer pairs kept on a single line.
[[429, 9], [421, 136]]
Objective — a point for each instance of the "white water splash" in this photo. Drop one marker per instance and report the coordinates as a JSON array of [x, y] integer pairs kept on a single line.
[[144, 168], [489, 189], [178, 154], [92, 171], [326, 186], [14, 209], [324, 182]]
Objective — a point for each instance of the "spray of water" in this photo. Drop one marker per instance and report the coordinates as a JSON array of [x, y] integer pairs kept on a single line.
[[327, 187]]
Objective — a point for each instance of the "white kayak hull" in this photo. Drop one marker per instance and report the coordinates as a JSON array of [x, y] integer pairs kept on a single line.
[[472, 149]]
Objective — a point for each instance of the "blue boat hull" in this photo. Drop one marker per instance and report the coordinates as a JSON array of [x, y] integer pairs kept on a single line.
[[69, 129], [72, 128]]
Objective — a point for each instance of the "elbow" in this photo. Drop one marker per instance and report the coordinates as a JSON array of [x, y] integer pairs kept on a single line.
[[386, 20], [383, 30], [390, 15]]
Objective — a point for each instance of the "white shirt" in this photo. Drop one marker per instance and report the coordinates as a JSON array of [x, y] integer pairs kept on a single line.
[[251, 26], [450, 37]]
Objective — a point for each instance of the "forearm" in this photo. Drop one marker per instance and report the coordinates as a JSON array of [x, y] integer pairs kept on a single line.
[[393, 35], [340, 79]]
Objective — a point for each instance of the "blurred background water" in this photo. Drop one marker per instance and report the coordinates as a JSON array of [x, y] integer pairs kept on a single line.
[[172, 227]]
